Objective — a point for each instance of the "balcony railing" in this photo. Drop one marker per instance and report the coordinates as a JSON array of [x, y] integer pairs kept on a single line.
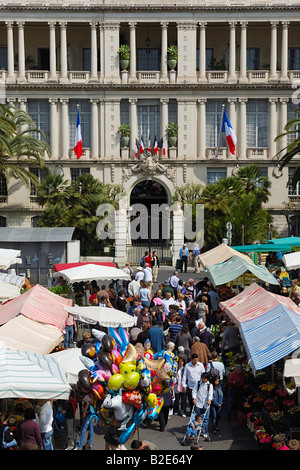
[[258, 152]]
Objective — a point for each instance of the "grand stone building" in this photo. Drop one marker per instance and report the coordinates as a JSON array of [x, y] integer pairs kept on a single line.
[[57, 55]]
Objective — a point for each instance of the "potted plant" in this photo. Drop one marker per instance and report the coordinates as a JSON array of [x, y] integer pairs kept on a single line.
[[172, 56], [172, 131], [124, 131], [124, 52]]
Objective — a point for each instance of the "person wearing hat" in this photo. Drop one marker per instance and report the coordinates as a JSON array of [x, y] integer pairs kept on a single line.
[[140, 274], [184, 255]]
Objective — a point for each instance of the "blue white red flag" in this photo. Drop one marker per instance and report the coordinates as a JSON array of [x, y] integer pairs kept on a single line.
[[229, 132], [161, 146], [142, 146], [155, 146], [78, 138]]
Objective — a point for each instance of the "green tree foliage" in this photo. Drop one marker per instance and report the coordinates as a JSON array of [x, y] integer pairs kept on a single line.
[[237, 199], [75, 205]]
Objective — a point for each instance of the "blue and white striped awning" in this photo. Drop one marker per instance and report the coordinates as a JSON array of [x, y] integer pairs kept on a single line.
[[271, 336], [28, 375]]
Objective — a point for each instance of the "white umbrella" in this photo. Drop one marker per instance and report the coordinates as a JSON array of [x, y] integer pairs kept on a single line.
[[105, 316], [9, 257], [10, 278], [25, 374], [69, 360], [89, 272], [8, 291], [291, 260]]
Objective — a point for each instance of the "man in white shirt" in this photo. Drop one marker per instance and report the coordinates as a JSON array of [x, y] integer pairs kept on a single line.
[[133, 287], [202, 398], [45, 423], [174, 281], [147, 273], [167, 301], [192, 376]]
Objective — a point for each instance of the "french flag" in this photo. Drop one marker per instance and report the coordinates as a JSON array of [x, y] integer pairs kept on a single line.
[[161, 146], [149, 144], [155, 146], [78, 138], [137, 147], [229, 132], [142, 146]]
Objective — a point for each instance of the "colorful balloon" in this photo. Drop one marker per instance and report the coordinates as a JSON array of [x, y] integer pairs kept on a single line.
[[131, 380], [108, 343], [133, 398], [115, 382]]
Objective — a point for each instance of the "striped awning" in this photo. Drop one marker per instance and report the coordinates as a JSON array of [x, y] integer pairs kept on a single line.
[[38, 304], [24, 374], [252, 302], [270, 336]]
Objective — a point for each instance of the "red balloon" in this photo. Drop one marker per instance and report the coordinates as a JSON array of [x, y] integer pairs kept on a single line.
[[133, 398]]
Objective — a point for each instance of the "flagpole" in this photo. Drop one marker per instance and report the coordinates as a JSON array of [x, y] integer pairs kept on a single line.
[[220, 129]]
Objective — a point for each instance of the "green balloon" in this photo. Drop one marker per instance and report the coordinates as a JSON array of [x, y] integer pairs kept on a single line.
[[131, 380]]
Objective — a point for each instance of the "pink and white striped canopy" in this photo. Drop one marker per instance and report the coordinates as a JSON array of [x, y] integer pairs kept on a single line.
[[38, 304], [253, 302]]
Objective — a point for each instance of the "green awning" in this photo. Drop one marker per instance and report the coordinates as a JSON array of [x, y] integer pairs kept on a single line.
[[222, 273], [292, 241], [263, 248]]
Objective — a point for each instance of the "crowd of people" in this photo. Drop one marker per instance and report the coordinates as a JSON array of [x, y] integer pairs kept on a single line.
[[174, 316]]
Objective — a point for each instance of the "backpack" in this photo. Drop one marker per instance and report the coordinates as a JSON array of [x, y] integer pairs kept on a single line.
[[142, 262], [213, 373], [8, 439]]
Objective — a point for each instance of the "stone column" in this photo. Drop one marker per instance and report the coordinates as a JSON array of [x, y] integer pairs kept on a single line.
[[23, 107], [94, 58], [164, 52], [202, 128], [65, 128], [178, 231], [273, 52], [63, 53], [282, 122], [21, 51], [132, 62], [111, 59], [102, 128], [243, 53], [284, 51], [233, 121], [272, 127], [10, 51], [202, 52], [232, 56], [187, 138], [164, 119], [54, 136], [52, 41], [242, 147], [95, 125], [133, 124], [102, 51]]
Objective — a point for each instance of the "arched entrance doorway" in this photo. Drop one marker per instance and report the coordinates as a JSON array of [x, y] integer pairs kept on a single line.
[[152, 224]]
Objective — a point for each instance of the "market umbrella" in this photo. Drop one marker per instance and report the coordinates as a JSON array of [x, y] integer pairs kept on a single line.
[[8, 291], [222, 273], [89, 272], [10, 278], [9, 257], [24, 374], [105, 316], [291, 260], [219, 254], [70, 363]]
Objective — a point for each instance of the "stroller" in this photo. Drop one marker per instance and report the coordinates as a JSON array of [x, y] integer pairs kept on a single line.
[[194, 433]]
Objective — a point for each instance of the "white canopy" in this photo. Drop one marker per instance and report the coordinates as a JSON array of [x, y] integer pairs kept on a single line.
[[24, 374], [8, 291], [105, 316], [24, 334], [69, 361], [291, 260], [10, 278], [9, 257], [89, 272]]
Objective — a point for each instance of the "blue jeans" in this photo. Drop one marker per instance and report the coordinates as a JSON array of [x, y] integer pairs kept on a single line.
[[87, 425], [216, 414], [201, 411], [68, 336], [47, 440]]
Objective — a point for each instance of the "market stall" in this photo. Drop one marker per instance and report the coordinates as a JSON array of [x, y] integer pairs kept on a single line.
[[91, 271], [9, 257], [38, 304], [219, 254], [105, 316], [70, 363], [25, 374], [8, 291], [222, 273]]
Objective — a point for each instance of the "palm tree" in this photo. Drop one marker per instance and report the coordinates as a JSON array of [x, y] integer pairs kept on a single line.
[[22, 145], [254, 182], [293, 148], [52, 190]]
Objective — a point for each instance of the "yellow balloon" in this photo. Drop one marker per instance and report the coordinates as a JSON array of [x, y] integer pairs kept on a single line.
[[131, 380], [152, 400], [115, 382]]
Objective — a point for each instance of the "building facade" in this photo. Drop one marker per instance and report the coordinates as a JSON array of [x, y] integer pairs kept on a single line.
[[58, 55]]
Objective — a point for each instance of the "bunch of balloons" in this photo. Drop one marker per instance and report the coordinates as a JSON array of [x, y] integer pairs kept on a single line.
[[127, 382]]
